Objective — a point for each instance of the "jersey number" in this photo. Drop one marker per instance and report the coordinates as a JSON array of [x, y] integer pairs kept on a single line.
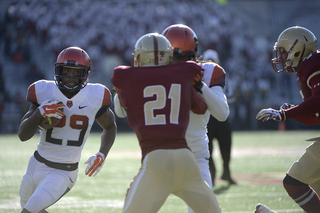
[[160, 103], [80, 122]]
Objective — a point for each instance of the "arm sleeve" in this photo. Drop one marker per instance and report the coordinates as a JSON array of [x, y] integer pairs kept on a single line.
[[119, 110], [309, 120], [216, 102], [309, 109]]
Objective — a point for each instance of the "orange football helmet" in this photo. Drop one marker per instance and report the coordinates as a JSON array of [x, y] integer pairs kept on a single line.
[[73, 57], [183, 40]]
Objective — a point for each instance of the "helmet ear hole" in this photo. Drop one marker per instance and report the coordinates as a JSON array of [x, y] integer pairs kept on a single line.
[[297, 54]]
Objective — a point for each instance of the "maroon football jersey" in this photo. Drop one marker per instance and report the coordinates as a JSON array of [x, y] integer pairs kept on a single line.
[[158, 101], [309, 67], [308, 81]]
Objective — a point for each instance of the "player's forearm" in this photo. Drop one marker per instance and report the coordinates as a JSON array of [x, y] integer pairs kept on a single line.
[[107, 139], [309, 107], [29, 125], [216, 102]]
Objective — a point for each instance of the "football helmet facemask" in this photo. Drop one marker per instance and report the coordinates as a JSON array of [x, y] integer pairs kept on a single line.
[[152, 49], [72, 57], [292, 47], [183, 40]]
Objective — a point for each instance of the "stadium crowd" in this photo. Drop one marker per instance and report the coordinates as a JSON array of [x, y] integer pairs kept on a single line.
[[33, 33]]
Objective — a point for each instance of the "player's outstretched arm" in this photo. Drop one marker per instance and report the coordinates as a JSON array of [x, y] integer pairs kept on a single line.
[[107, 122]]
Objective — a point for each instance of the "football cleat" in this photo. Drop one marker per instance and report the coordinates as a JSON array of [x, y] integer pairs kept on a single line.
[[260, 208]]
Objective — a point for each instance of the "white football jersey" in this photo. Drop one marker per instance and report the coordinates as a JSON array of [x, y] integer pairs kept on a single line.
[[64, 142], [214, 97]]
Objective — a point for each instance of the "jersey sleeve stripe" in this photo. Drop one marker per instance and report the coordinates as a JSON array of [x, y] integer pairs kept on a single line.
[[218, 76], [312, 75]]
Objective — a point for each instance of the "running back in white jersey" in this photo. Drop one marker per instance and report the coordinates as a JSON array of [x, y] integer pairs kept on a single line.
[[64, 142], [214, 97]]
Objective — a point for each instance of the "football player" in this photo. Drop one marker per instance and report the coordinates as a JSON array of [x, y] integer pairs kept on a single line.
[[156, 97], [222, 131], [210, 87], [53, 168], [296, 52]]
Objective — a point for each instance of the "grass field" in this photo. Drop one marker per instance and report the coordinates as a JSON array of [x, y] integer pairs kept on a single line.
[[260, 160]]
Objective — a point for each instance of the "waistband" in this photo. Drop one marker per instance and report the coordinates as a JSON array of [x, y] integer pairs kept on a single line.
[[61, 166]]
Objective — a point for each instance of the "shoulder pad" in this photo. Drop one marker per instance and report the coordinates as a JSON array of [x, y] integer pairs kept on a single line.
[[39, 89], [99, 95]]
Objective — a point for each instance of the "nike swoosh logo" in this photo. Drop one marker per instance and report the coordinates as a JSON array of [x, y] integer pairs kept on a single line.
[[81, 107]]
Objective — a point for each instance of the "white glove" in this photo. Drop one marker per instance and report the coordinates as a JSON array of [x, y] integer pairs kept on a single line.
[[51, 109], [95, 164], [266, 114], [286, 106]]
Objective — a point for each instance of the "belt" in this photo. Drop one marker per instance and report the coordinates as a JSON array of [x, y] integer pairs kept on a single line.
[[61, 166]]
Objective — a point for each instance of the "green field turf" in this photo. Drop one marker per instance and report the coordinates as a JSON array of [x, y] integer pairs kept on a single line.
[[259, 162]]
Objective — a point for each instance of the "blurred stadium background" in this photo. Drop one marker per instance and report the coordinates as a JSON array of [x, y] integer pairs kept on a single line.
[[33, 32]]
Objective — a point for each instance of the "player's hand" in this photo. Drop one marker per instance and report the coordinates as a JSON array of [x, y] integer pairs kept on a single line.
[[51, 109], [197, 82], [266, 114], [95, 164], [286, 106]]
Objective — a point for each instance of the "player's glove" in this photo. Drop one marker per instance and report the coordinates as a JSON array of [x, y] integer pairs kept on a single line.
[[95, 164], [51, 109], [197, 82], [266, 114], [286, 106]]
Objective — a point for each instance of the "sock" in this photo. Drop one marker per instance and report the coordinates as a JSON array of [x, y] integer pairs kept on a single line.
[[302, 194]]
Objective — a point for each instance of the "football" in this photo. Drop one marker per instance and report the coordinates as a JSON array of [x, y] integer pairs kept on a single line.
[[48, 123]]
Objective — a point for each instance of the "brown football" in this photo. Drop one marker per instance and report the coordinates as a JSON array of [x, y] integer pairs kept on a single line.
[[45, 122], [49, 122]]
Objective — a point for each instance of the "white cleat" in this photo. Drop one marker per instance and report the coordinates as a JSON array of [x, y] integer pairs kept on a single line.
[[260, 208]]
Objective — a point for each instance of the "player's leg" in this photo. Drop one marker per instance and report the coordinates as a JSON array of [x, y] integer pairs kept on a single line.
[[28, 184], [205, 173], [302, 194], [316, 186], [211, 135], [194, 190], [224, 137], [51, 188], [302, 173], [152, 185]]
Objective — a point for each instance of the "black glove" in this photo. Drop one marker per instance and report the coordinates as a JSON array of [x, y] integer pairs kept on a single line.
[[197, 82], [286, 106]]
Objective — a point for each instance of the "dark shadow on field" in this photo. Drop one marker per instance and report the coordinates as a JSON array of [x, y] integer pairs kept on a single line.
[[221, 189]]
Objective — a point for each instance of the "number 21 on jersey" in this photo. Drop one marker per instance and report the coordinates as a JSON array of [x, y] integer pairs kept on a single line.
[[160, 102]]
